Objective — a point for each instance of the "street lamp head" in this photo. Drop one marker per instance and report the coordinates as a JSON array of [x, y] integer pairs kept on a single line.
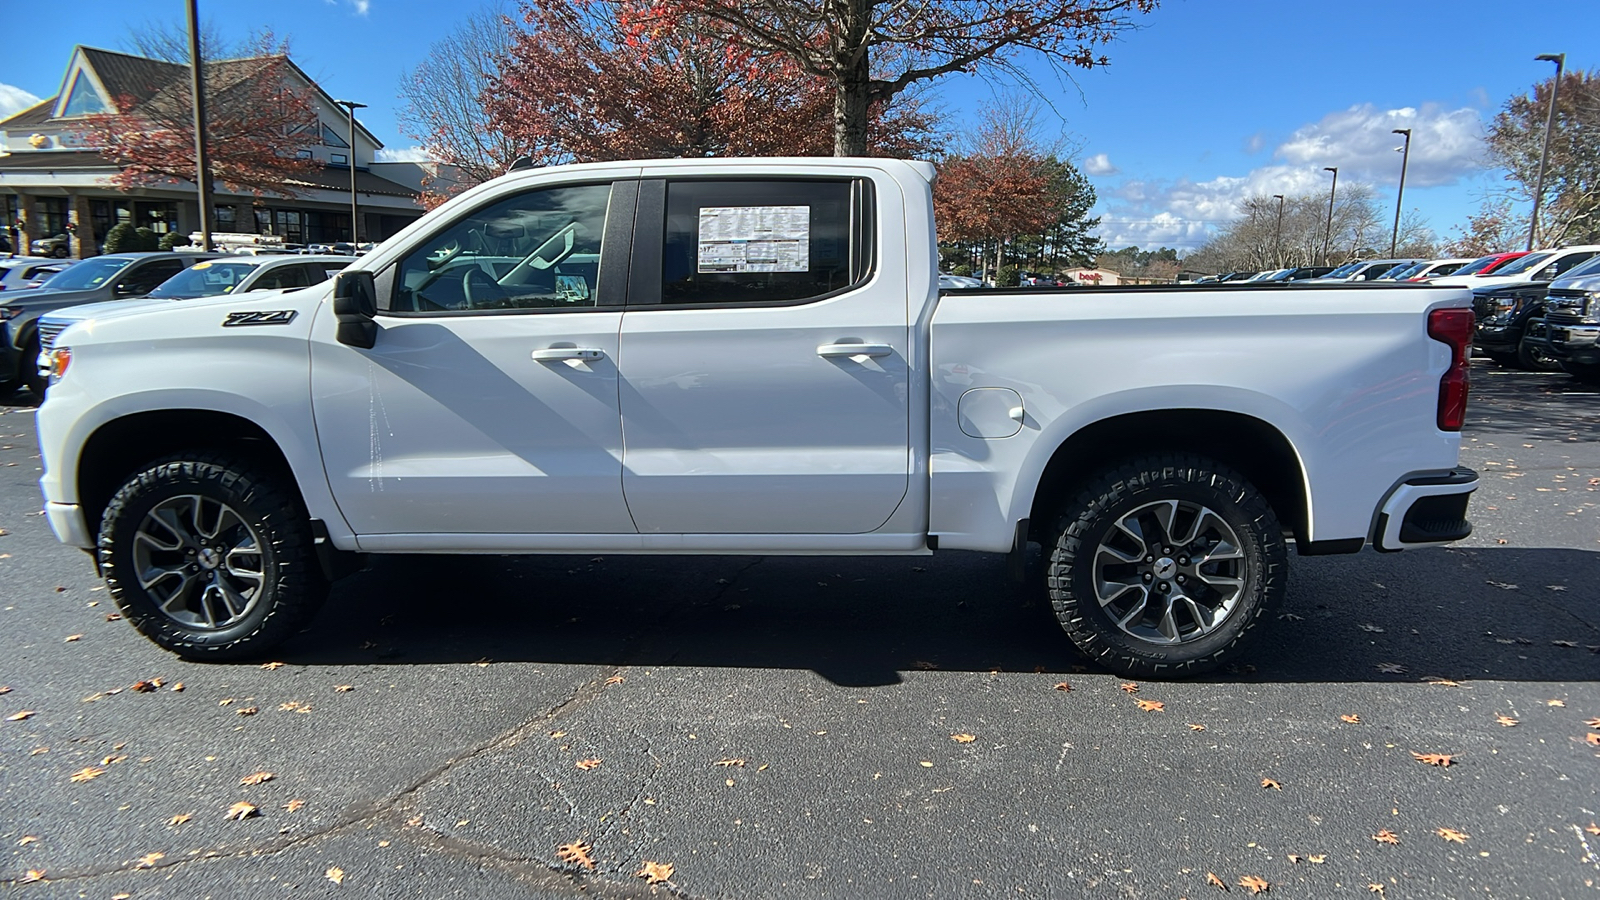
[[1557, 58], [1404, 131], [1333, 169], [1277, 196], [351, 104]]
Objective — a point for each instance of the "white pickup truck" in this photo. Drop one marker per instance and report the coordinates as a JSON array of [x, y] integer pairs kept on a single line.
[[749, 356]]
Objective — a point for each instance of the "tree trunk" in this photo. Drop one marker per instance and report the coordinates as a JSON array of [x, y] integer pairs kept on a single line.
[[853, 91]]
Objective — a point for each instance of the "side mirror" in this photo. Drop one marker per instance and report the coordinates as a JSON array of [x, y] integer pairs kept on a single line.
[[355, 303]]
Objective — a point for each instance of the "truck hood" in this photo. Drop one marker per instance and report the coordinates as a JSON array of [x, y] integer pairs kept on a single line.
[[105, 309], [171, 318], [1481, 282], [1588, 283]]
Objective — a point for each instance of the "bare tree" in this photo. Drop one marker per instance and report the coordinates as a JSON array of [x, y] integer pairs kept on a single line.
[[1571, 208], [168, 40], [1252, 242], [444, 96], [871, 50]]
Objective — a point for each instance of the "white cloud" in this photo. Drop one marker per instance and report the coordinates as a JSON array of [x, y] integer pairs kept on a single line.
[[1099, 164], [1446, 149], [361, 6], [14, 100], [402, 154]]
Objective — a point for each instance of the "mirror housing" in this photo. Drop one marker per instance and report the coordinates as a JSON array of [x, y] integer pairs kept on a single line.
[[355, 303]]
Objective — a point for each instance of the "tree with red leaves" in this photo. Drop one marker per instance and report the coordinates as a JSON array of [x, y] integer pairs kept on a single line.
[[256, 116], [869, 51], [613, 79]]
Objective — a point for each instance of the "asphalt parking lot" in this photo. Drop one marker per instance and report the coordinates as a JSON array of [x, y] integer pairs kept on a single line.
[[766, 727]]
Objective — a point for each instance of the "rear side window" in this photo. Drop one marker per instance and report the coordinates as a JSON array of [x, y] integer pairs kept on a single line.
[[755, 241], [280, 278]]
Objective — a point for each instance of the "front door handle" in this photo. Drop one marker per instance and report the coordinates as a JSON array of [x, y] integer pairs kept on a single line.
[[557, 354], [833, 351]]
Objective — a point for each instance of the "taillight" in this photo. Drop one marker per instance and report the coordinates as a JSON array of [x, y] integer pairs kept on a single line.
[[1453, 327]]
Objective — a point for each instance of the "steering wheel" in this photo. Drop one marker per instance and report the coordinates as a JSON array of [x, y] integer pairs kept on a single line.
[[487, 294]]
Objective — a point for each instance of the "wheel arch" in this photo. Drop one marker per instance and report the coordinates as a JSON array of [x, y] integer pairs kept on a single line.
[[1255, 448]]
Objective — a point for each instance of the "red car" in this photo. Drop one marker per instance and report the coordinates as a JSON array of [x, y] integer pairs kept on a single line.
[[1486, 265]]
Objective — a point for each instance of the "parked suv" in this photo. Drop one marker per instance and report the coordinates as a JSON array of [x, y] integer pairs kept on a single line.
[[23, 272], [1570, 329], [115, 276]]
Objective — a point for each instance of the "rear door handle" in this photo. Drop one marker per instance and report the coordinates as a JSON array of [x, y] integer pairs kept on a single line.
[[557, 354], [833, 351]]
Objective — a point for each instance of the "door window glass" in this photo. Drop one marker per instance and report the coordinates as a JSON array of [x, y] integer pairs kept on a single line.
[[760, 241], [537, 250], [281, 277], [144, 279]]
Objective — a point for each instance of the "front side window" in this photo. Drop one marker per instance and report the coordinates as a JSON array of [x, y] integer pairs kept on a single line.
[[1564, 264], [536, 250], [1523, 264], [761, 241], [146, 278], [280, 278]]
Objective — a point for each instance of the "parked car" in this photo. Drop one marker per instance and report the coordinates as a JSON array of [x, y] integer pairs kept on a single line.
[[1379, 269], [1438, 268], [1299, 273], [115, 276], [1569, 331], [1540, 265], [58, 246], [210, 278], [958, 282], [20, 273], [833, 401], [1507, 305], [1486, 265]]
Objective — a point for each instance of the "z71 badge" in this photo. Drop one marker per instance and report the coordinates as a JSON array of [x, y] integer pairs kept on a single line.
[[261, 317]]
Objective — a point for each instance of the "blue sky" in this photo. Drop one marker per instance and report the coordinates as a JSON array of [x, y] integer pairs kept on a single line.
[[1207, 103]]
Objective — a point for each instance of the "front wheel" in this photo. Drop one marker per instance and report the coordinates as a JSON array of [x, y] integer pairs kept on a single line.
[[1162, 566], [210, 558], [30, 369], [59, 253], [1533, 358]]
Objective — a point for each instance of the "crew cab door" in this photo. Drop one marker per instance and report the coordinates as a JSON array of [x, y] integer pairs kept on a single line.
[[764, 347], [488, 404]]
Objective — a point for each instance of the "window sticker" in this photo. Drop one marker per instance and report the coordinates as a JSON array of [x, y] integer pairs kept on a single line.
[[755, 239]]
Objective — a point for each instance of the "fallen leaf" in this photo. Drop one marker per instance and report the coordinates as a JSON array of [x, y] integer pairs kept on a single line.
[[1555, 703], [145, 687], [1061, 686], [5, 688], [1389, 668], [36, 874], [731, 761], [109, 760], [294, 706], [1211, 878], [1150, 705], [1269, 783], [270, 666], [1592, 723], [28, 839], [1557, 643], [113, 617], [1196, 726], [338, 688], [1376, 888], [575, 852], [1294, 858], [558, 734], [1442, 760], [615, 679], [180, 818], [1505, 720], [257, 778], [293, 805], [87, 773], [1350, 719], [587, 764], [1386, 837], [1254, 885], [1592, 738], [654, 872], [925, 764], [1130, 687], [334, 873], [1452, 835], [241, 810], [248, 710], [1592, 828], [962, 738], [1371, 628], [1444, 682], [177, 686], [1318, 858], [19, 716], [71, 638], [149, 860]]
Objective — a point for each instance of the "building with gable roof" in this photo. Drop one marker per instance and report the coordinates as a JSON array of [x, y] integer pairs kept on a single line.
[[52, 184]]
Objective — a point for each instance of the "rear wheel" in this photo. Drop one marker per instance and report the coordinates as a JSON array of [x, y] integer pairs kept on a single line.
[[1162, 566], [210, 558]]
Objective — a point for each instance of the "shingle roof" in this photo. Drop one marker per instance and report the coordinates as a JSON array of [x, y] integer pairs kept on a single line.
[[135, 78], [54, 159], [330, 178], [37, 114]]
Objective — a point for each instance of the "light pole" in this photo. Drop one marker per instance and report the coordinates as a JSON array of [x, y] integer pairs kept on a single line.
[[355, 231], [1277, 240], [1327, 236], [1394, 237], [202, 165], [1560, 59]]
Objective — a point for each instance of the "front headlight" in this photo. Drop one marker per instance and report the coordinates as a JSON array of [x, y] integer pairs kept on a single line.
[[7, 313]]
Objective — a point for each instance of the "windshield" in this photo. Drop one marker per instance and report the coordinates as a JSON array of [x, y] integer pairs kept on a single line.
[[1477, 265], [87, 275], [1345, 270], [1407, 271], [1531, 261], [1592, 267], [207, 279]]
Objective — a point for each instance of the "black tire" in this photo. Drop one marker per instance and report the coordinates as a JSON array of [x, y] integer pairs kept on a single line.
[[1588, 373], [290, 583], [29, 372], [1195, 483], [1505, 359], [60, 253], [1533, 359]]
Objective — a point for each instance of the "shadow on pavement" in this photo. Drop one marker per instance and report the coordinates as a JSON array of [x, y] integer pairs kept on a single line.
[[1546, 405], [1453, 613]]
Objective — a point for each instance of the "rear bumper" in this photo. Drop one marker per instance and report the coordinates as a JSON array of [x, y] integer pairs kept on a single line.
[[1426, 510]]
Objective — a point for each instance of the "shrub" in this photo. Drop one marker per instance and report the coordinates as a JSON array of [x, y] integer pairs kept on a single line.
[[1008, 277], [147, 239], [121, 239], [173, 239], [964, 271]]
